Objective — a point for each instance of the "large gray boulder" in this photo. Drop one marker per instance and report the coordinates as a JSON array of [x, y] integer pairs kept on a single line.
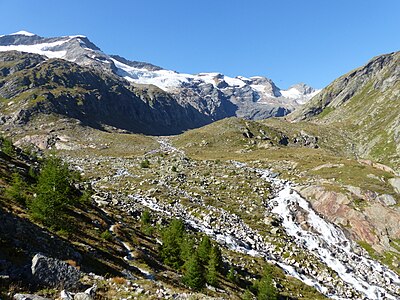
[[51, 272], [395, 182], [29, 297]]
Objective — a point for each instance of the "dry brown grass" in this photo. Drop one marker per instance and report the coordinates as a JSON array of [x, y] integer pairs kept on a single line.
[[73, 263], [118, 280]]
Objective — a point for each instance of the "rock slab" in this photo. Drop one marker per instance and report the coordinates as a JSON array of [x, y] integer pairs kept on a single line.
[[51, 272], [29, 297]]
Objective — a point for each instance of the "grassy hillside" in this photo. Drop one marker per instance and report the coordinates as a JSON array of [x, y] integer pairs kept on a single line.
[[365, 103]]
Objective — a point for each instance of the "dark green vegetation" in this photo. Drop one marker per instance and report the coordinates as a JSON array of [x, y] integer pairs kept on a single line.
[[48, 195], [6, 146], [200, 263], [54, 193], [264, 288]]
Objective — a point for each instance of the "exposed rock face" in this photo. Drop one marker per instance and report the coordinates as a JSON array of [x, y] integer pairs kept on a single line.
[[374, 223], [382, 72], [52, 272]]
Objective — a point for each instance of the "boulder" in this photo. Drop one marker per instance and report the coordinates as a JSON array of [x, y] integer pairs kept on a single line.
[[395, 182], [82, 296], [51, 272], [387, 200], [28, 297]]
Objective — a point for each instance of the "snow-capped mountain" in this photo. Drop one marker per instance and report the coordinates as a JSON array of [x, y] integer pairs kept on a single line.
[[213, 94]]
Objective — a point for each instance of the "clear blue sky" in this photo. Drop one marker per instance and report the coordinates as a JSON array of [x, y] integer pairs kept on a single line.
[[289, 41]]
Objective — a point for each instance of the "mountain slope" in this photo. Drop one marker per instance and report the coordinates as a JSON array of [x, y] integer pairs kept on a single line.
[[366, 103], [31, 85], [212, 94]]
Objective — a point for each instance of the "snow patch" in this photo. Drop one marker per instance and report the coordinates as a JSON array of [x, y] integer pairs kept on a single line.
[[42, 49]]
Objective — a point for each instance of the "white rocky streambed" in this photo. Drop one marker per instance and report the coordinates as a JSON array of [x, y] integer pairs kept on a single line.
[[329, 243], [354, 275]]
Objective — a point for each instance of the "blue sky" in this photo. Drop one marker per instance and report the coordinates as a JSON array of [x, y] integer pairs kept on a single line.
[[289, 41]]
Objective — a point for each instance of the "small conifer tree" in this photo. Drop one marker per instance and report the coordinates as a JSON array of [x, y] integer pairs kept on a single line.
[[204, 249], [172, 237], [194, 273], [54, 193], [17, 189], [187, 247], [212, 271], [266, 287]]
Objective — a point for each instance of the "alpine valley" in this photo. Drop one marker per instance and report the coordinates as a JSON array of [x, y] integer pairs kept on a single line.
[[122, 180]]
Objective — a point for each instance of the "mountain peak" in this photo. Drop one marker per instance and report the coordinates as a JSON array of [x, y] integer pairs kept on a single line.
[[23, 32], [241, 93]]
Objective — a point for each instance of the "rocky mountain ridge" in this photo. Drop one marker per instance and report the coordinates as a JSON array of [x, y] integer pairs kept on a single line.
[[212, 94], [365, 103]]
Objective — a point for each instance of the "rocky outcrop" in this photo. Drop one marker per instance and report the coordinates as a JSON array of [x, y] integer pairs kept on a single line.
[[375, 221], [50, 272], [382, 71]]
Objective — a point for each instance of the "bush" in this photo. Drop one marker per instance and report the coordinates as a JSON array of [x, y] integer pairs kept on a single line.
[[106, 235], [145, 164], [145, 218], [119, 280], [247, 295], [232, 275]]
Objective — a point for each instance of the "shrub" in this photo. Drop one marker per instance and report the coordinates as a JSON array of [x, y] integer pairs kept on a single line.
[[232, 275], [145, 218], [106, 235], [119, 280], [247, 295], [145, 164]]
